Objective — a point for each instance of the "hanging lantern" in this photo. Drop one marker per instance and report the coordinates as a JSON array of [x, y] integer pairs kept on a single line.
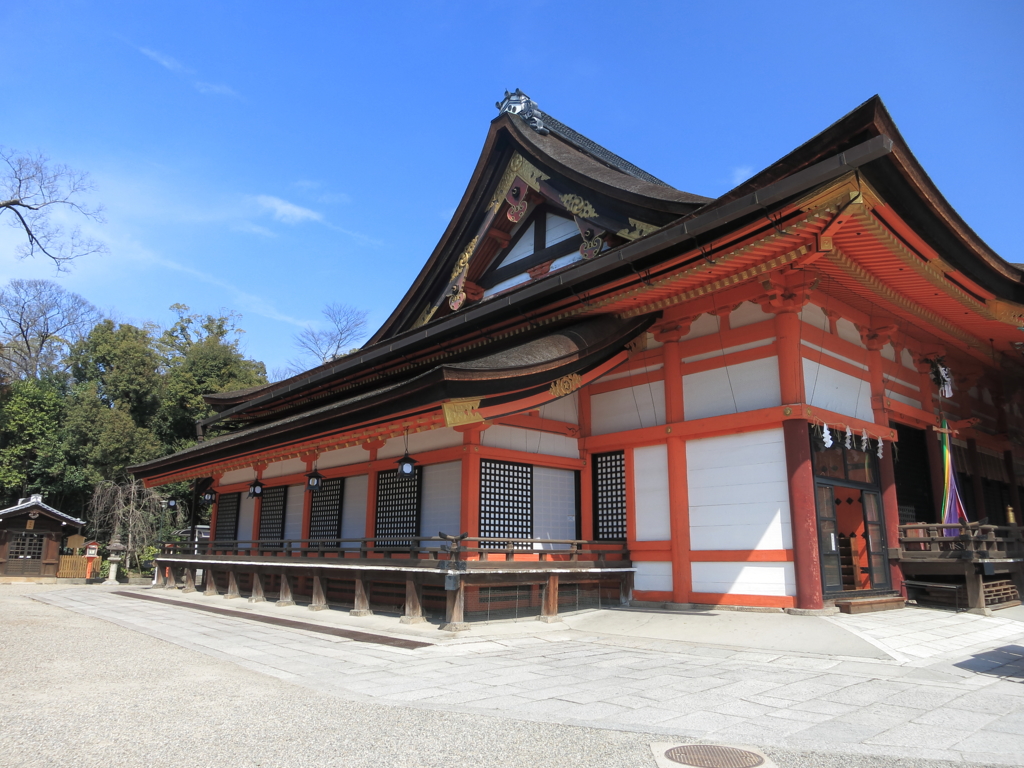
[[314, 481], [406, 466], [210, 496], [172, 504], [255, 489]]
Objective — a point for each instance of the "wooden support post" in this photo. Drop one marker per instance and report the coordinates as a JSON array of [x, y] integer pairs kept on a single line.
[[803, 515], [232, 586], [549, 601], [361, 602], [190, 581], [257, 595], [455, 608], [210, 583], [319, 599], [626, 589], [171, 578], [890, 516], [976, 592], [413, 603], [284, 598]]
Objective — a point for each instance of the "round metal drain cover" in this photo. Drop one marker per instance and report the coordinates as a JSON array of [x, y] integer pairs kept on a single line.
[[713, 756]]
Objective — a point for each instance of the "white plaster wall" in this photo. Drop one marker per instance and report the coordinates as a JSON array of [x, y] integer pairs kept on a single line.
[[732, 389], [563, 409], [824, 354], [510, 283], [835, 391], [812, 314], [353, 507], [441, 498], [421, 442], [558, 229], [739, 492], [522, 248], [282, 468], [903, 399], [554, 505], [246, 475], [729, 350], [704, 325], [848, 332], [888, 352], [343, 457], [650, 489], [246, 515], [653, 577], [530, 441], [748, 313], [628, 408], [770, 579], [293, 502], [907, 360]]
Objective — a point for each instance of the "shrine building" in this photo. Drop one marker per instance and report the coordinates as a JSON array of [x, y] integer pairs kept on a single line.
[[623, 390]]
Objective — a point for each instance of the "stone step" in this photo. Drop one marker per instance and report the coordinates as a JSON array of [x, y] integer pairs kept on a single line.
[[870, 604]]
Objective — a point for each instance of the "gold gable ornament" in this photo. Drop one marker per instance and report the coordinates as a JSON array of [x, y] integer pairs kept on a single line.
[[460, 412], [566, 385]]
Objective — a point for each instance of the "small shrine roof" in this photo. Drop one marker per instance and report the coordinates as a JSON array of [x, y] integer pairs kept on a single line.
[[27, 505]]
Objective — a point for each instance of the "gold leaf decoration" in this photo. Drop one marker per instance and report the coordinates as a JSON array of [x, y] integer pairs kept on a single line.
[[637, 229], [524, 169], [461, 412], [463, 261], [425, 315], [565, 385], [577, 206]]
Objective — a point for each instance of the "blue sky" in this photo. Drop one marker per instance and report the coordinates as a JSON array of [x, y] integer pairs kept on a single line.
[[271, 158]]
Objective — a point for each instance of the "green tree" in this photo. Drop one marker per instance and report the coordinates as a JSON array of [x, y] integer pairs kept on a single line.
[[30, 414]]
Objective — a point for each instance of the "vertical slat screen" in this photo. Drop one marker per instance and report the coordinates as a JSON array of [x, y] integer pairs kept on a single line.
[[272, 513], [325, 510], [610, 496], [227, 516], [506, 500], [398, 505]]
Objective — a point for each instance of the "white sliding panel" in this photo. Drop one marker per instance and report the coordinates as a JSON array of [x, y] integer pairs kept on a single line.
[[650, 493], [246, 515], [293, 501], [554, 505], [353, 507], [441, 499]]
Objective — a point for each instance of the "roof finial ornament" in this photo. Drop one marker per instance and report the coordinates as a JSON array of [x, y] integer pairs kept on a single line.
[[519, 103]]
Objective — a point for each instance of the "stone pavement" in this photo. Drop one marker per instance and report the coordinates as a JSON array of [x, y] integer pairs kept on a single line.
[[915, 700]]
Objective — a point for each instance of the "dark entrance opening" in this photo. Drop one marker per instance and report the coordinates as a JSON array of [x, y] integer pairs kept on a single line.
[[25, 554], [913, 476], [851, 528]]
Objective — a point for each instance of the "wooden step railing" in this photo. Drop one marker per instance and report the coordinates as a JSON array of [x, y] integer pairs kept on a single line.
[[971, 541]]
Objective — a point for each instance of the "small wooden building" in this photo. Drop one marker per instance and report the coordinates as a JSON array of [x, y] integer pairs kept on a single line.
[[31, 536]]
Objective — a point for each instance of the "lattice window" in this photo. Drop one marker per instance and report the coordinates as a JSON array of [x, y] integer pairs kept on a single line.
[[272, 513], [227, 516], [506, 500], [398, 505], [610, 496], [26, 546], [325, 510]]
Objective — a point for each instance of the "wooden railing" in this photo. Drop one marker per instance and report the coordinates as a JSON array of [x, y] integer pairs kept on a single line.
[[486, 549], [973, 541]]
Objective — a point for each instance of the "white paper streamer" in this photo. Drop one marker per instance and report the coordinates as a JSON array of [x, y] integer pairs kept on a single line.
[[879, 449], [849, 437], [827, 437], [864, 444]]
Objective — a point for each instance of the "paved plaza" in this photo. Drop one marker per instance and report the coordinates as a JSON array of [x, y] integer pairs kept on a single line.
[[911, 688]]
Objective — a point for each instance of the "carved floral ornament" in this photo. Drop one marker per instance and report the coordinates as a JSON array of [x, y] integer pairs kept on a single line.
[[577, 206], [566, 385], [521, 167], [463, 261]]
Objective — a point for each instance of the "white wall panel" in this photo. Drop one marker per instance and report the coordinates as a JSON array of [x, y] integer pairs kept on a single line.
[[704, 325], [353, 507], [522, 248], [748, 313], [246, 515], [510, 283], [770, 579], [441, 499], [246, 475], [554, 505], [650, 489], [343, 457], [530, 441], [629, 408], [904, 399], [653, 577], [836, 391], [294, 498], [739, 492], [847, 331], [282, 468], [559, 228], [732, 389], [421, 442], [563, 409], [813, 315]]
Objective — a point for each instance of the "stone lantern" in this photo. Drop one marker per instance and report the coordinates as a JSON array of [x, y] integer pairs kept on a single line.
[[115, 549]]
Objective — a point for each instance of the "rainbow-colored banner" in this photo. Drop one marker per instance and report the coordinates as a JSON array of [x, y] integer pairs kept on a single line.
[[953, 512]]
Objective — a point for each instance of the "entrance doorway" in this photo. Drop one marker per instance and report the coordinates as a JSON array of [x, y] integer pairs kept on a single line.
[[851, 529], [25, 554]]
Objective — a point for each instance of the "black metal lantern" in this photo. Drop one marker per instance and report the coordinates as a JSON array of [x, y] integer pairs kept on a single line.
[[406, 466], [172, 504], [314, 480], [255, 489], [210, 496]]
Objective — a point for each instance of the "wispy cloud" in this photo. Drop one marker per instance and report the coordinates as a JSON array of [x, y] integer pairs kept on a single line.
[[741, 173], [286, 212], [173, 65]]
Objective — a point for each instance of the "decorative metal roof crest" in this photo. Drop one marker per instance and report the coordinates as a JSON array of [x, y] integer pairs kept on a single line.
[[519, 103]]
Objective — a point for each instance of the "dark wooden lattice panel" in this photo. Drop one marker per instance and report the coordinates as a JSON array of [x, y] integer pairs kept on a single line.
[[506, 500], [272, 513], [26, 546], [227, 516], [610, 496], [398, 505], [325, 510]]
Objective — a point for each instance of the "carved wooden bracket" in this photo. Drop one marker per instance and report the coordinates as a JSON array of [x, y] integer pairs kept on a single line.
[[371, 445], [876, 338], [672, 330], [788, 292]]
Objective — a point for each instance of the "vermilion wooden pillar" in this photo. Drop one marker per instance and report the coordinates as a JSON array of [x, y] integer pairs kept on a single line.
[[257, 512], [469, 502], [307, 505], [678, 493], [587, 475], [887, 476]]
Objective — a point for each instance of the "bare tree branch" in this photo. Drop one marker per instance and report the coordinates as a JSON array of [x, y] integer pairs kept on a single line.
[[32, 189], [39, 321], [129, 509], [317, 346]]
